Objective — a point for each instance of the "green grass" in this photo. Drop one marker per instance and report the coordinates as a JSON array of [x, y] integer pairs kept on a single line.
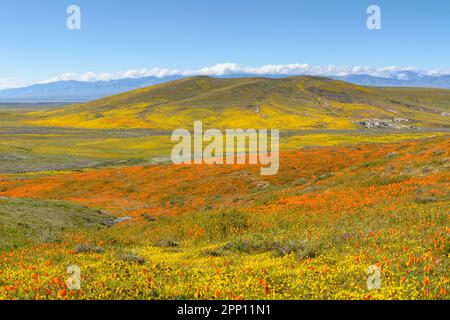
[[25, 221]]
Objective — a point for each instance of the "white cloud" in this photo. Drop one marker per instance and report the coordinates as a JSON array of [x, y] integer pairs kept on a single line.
[[438, 72], [11, 83], [92, 76], [224, 69], [4, 84]]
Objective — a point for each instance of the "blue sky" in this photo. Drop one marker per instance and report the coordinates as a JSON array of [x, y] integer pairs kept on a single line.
[[190, 34]]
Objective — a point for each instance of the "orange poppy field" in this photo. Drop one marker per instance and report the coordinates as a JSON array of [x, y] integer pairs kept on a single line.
[[226, 232]]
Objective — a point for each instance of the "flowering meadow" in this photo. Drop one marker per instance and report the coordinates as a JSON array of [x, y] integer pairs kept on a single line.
[[225, 232]]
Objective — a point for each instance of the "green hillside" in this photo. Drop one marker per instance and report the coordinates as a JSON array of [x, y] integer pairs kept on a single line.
[[24, 221], [289, 103]]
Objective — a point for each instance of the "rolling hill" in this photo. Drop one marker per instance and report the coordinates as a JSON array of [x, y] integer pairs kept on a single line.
[[291, 103]]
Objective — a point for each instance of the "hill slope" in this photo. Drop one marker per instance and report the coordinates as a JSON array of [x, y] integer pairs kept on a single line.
[[287, 103], [25, 221]]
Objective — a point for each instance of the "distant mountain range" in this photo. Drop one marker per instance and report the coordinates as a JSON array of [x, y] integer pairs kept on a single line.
[[398, 79], [79, 91]]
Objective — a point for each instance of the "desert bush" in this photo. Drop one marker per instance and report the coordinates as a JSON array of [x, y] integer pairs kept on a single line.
[[325, 176], [130, 257], [166, 243], [87, 248], [299, 182], [425, 199]]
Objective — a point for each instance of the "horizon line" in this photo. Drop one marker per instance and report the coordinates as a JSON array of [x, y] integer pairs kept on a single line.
[[233, 69]]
